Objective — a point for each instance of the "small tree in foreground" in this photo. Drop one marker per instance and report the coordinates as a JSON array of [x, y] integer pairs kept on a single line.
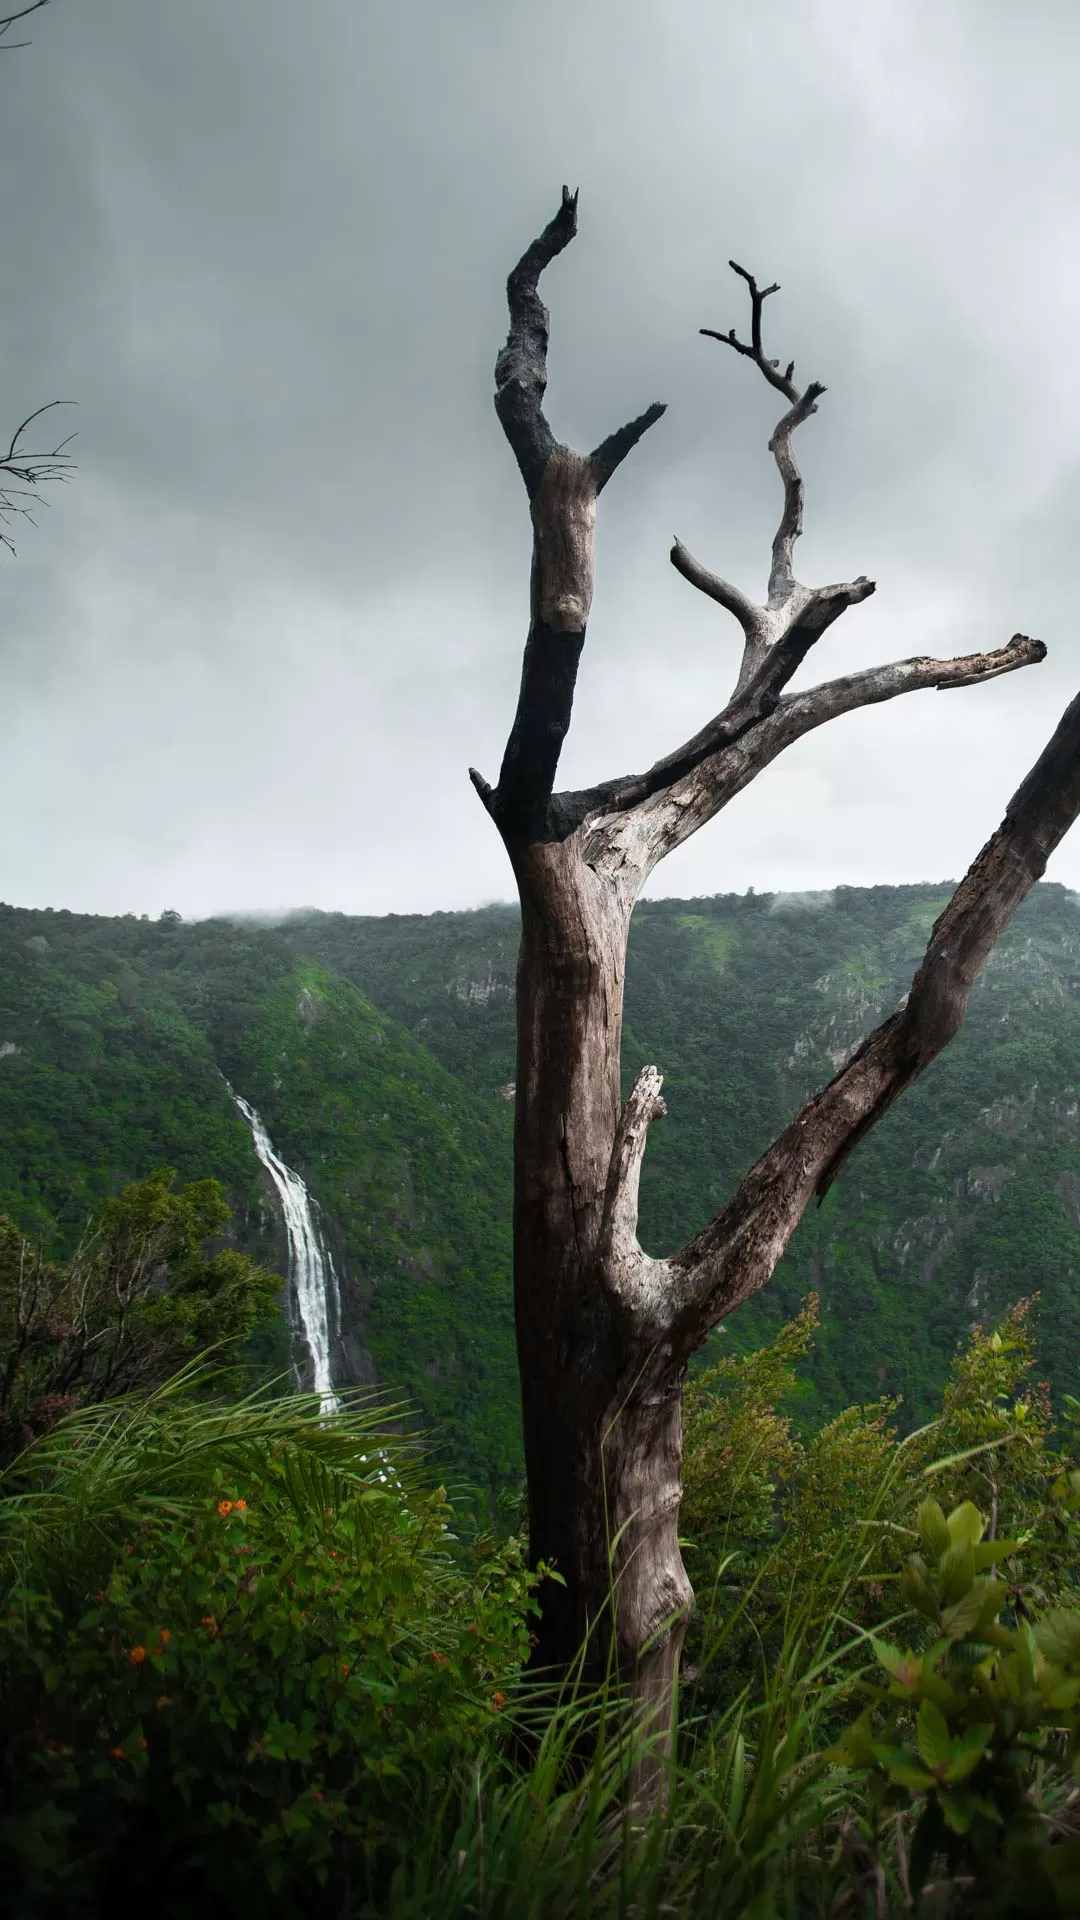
[[604, 1331], [138, 1299]]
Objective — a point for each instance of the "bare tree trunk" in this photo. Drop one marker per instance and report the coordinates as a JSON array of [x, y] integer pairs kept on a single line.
[[605, 1332], [601, 1407]]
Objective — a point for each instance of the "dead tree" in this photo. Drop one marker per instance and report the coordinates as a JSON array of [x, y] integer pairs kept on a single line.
[[604, 1332]]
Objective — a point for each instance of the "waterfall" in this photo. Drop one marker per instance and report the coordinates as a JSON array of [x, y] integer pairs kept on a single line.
[[311, 1271]]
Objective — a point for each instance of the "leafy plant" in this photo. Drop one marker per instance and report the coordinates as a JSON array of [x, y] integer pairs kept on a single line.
[[970, 1731], [137, 1298]]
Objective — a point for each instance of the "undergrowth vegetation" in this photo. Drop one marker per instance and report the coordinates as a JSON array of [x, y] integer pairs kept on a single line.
[[251, 1660]]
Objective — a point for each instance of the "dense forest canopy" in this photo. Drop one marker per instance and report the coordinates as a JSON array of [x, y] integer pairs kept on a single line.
[[380, 1053]]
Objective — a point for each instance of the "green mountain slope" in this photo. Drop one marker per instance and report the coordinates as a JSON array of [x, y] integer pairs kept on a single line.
[[116, 1040], [966, 1198], [380, 1055]]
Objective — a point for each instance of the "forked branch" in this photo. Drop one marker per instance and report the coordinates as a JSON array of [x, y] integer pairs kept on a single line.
[[737, 1252], [634, 821], [788, 605], [562, 486], [625, 1271], [23, 473]]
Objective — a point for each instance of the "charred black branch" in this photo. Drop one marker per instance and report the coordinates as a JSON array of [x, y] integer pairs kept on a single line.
[[545, 701], [563, 487], [521, 368], [613, 451]]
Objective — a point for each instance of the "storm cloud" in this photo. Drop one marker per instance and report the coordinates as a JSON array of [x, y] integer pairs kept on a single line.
[[250, 651]]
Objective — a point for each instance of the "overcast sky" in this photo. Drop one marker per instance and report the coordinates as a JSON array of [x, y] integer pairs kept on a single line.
[[250, 651]]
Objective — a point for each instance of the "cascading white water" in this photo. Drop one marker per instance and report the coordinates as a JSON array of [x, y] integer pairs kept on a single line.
[[311, 1270]]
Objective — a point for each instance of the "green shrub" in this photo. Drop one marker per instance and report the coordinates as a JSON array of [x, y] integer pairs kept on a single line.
[[138, 1298], [281, 1653], [978, 1730]]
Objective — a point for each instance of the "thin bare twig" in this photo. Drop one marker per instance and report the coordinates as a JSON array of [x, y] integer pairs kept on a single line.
[[10, 19], [23, 473]]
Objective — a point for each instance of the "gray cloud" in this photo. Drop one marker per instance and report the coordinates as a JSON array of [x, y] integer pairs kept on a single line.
[[251, 650]]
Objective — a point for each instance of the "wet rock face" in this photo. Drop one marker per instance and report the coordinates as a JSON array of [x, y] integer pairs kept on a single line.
[[982, 1183], [925, 1242], [485, 987], [307, 1008]]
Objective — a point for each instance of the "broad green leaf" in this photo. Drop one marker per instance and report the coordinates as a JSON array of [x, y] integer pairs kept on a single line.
[[991, 1551], [932, 1731], [895, 1661], [906, 1774], [965, 1524], [917, 1591], [855, 1747], [967, 1752], [1058, 1637], [976, 1609], [958, 1811], [956, 1572], [933, 1528]]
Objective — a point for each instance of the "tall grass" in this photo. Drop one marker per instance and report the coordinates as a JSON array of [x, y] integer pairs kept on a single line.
[[79, 1493]]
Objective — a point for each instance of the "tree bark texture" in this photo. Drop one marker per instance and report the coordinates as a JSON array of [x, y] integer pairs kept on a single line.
[[604, 1331]]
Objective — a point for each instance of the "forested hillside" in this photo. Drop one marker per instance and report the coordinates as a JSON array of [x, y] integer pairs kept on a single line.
[[380, 1055]]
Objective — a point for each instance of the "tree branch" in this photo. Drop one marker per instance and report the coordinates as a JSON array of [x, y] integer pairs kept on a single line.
[[10, 19], [639, 819], [788, 604], [723, 592], [755, 351], [613, 451], [781, 576], [521, 368], [618, 1233], [22, 473], [737, 1252], [562, 486]]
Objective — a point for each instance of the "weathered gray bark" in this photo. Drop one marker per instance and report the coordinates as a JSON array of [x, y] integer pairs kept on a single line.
[[605, 1332]]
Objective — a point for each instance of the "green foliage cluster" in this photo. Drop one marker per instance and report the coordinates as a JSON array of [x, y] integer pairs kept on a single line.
[[755, 1474], [246, 1662], [232, 1684], [969, 1729], [138, 1298], [117, 1038]]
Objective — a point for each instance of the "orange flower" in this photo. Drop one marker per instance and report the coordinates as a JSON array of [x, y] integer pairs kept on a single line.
[[137, 1655], [472, 1629], [316, 1795], [165, 1636], [344, 1673], [116, 1753], [240, 1505], [498, 1701], [224, 1507], [440, 1659], [208, 1620]]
